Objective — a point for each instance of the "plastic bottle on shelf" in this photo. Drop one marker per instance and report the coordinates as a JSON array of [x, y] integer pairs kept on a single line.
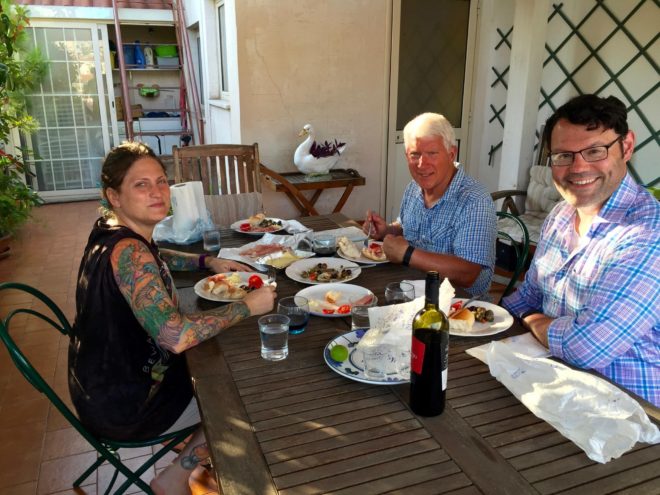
[[149, 56], [139, 54]]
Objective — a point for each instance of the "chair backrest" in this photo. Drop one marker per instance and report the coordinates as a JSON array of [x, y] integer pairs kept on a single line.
[[542, 195], [222, 168], [509, 248]]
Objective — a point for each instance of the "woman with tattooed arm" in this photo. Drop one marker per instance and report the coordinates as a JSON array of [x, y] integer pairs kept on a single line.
[[127, 375]]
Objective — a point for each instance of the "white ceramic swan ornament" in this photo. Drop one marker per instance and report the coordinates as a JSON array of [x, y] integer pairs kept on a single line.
[[307, 163]]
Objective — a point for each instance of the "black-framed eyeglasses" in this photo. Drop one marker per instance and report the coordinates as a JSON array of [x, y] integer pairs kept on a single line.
[[593, 154]]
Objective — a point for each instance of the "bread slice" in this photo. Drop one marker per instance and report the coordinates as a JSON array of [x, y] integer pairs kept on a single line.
[[462, 321], [374, 252]]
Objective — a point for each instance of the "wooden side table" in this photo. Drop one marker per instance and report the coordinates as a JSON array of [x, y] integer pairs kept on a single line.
[[293, 183]]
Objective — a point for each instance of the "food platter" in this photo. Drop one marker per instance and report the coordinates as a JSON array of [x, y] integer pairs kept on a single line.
[[353, 367], [236, 227], [345, 293], [294, 270], [503, 320], [244, 277], [362, 258]]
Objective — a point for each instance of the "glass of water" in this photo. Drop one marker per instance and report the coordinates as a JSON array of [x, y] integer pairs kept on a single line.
[[399, 292], [297, 309], [211, 239], [360, 315], [274, 333]]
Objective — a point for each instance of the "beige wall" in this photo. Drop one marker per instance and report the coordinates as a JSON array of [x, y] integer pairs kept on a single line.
[[323, 63]]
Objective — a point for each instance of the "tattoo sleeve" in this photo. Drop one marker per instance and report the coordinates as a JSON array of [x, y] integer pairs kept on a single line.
[[180, 262], [137, 276]]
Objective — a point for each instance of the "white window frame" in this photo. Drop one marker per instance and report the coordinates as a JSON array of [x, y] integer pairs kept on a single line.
[[223, 66]]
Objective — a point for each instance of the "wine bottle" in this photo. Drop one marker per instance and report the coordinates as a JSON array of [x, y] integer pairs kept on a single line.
[[429, 354]]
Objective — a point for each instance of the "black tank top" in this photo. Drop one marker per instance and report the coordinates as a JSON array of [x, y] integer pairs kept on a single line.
[[123, 385]]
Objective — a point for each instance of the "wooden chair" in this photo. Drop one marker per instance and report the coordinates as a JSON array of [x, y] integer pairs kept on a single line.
[[107, 449], [230, 175]]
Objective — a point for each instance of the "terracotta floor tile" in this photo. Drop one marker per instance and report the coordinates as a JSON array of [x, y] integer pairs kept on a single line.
[[21, 413], [21, 454], [59, 474], [22, 489], [63, 443]]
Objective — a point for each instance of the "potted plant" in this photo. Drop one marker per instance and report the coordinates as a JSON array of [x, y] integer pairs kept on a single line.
[[20, 70]]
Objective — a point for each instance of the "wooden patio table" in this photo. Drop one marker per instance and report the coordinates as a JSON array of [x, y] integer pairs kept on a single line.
[[297, 427]]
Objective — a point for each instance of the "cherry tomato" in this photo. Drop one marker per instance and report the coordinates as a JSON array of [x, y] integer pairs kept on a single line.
[[374, 246], [245, 227], [328, 311], [344, 309], [312, 276], [457, 305], [255, 282]]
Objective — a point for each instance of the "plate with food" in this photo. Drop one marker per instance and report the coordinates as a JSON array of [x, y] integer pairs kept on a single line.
[[274, 254], [357, 252], [479, 319], [322, 270], [343, 357], [259, 224], [229, 287], [335, 300]]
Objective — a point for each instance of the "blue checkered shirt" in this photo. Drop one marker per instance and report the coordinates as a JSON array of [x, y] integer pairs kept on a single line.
[[462, 222], [604, 296]]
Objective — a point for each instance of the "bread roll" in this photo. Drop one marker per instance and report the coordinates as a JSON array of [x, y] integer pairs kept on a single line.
[[462, 321], [348, 248]]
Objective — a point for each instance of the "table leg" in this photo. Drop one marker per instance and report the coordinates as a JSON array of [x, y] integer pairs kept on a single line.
[[344, 197]]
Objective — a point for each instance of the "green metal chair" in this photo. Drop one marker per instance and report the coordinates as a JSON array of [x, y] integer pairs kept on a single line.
[[521, 250], [107, 449]]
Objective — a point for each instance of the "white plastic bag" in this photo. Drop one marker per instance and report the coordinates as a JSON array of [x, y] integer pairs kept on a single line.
[[597, 416]]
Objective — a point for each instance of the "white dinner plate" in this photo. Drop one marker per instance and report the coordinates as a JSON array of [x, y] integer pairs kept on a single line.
[[502, 321], [236, 227], [294, 270], [348, 293], [199, 286], [362, 258], [353, 367]]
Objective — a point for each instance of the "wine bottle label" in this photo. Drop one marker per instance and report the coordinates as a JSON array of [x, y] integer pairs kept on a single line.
[[444, 379], [417, 355]]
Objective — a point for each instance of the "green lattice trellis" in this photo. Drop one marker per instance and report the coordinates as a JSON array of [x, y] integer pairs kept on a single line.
[[632, 103]]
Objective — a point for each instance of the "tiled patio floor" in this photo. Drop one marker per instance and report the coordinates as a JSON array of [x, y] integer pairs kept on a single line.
[[42, 453]]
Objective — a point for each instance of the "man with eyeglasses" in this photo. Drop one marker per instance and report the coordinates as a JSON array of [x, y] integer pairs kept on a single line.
[[447, 219], [592, 292]]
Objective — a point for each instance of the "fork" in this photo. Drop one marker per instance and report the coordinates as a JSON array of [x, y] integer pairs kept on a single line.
[[366, 241]]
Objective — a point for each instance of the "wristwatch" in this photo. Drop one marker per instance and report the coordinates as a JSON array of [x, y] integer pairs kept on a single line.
[[407, 256]]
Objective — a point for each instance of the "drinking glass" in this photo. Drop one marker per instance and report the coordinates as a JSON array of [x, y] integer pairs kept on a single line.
[[403, 364], [325, 244], [211, 237], [360, 315], [297, 309], [378, 361], [274, 333], [399, 292]]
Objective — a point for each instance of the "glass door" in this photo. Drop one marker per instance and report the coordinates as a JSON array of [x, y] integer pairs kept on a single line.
[[71, 106], [431, 71]]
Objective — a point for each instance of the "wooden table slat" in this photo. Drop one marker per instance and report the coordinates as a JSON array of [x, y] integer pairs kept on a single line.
[[456, 483]]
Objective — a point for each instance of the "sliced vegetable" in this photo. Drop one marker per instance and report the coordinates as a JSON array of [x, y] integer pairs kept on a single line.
[[245, 227], [344, 309], [255, 282], [328, 311]]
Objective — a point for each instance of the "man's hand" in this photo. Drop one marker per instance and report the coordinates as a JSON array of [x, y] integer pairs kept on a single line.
[[220, 265], [261, 300], [394, 247], [377, 223], [538, 324]]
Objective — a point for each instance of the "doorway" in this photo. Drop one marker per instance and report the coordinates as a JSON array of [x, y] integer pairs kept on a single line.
[[431, 71], [71, 106]]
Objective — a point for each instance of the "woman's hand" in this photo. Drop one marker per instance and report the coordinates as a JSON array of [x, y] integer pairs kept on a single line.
[[261, 301], [221, 265]]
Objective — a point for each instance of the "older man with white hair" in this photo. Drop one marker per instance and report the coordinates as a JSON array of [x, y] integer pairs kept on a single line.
[[447, 219]]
